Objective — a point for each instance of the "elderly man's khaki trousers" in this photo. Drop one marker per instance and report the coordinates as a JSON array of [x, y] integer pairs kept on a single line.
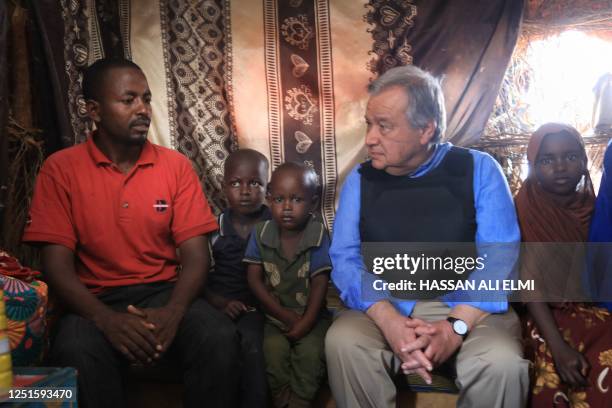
[[490, 369]]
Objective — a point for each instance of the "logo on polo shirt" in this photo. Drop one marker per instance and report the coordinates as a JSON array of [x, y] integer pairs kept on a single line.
[[160, 205]]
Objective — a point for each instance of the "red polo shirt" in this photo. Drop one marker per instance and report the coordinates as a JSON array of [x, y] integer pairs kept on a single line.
[[123, 228]]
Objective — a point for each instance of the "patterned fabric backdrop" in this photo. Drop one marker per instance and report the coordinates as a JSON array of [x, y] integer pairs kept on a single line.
[[289, 99], [192, 45], [286, 77], [298, 71], [180, 47]]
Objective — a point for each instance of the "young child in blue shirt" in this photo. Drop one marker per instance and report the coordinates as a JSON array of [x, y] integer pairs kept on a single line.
[[288, 272], [245, 182]]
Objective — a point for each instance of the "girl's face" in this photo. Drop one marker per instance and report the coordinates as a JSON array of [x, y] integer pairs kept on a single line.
[[560, 164]]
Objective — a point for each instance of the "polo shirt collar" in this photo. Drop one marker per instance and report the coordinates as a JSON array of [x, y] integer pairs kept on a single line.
[[313, 235], [148, 155], [95, 153]]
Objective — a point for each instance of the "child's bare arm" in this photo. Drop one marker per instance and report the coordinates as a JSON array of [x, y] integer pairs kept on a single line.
[[270, 304], [316, 299]]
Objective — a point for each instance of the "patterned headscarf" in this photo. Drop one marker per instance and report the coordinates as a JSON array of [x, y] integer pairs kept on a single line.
[[541, 218]]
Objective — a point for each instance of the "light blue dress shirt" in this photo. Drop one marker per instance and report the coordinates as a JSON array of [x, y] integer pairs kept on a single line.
[[495, 218]]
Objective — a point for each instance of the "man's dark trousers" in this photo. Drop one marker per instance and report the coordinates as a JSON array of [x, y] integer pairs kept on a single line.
[[206, 348]]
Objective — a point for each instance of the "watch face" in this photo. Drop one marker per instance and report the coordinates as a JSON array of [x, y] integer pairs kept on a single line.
[[460, 327]]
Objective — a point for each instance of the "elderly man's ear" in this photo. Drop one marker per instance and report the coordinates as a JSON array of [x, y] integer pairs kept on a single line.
[[93, 110], [427, 133]]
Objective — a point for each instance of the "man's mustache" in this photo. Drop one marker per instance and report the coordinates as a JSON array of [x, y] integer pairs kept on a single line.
[[140, 122]]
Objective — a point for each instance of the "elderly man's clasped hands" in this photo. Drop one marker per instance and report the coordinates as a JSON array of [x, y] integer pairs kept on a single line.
[[420, 345]]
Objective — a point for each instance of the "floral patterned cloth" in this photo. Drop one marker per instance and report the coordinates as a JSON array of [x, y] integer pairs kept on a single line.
[[26, 309], [588, 329]]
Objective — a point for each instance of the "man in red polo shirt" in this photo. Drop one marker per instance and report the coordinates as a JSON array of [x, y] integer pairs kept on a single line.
[[110, 214]]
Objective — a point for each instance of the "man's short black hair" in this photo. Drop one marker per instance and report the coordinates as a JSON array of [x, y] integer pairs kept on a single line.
[[93, 76]]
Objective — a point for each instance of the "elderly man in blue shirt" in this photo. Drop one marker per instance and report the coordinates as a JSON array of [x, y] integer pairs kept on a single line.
[[415, 188]]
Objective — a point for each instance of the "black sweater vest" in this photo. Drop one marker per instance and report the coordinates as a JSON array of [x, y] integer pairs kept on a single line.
[[436, 207]]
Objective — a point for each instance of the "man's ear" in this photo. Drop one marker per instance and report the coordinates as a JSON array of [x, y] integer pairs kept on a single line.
[[427, 133], [93, 110]]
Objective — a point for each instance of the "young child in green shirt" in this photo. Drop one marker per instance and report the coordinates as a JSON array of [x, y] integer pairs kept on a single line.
[[288, 272]]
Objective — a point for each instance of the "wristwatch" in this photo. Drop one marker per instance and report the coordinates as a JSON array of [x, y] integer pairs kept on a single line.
[[459, 326]]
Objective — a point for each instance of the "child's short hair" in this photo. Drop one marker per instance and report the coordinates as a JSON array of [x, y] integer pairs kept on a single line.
[[310, 179], [245, 155]]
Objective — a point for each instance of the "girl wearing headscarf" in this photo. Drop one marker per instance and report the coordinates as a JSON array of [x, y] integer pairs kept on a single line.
[[600, 276], [571, 342]]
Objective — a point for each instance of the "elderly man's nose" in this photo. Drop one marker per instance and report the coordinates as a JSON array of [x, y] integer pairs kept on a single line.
[[371, 137]]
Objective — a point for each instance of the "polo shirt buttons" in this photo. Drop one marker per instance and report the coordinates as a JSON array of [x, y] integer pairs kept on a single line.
[[125, 205]]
